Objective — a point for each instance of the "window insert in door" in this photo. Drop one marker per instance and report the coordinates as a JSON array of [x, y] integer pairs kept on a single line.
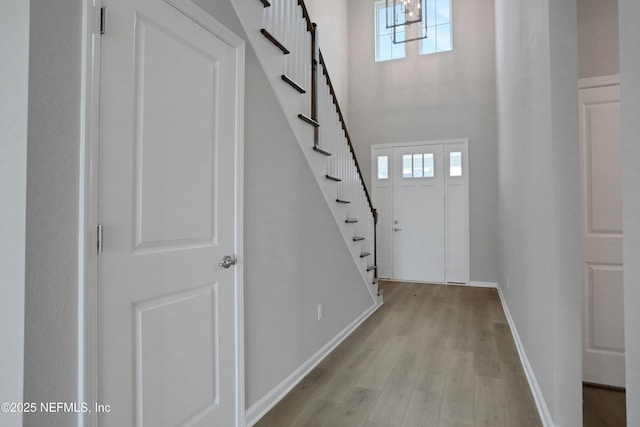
[[418, 165]]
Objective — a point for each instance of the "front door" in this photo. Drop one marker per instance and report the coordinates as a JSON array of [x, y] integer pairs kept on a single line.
[[419, 213], [421, 193], [603, 314], [169, 314]]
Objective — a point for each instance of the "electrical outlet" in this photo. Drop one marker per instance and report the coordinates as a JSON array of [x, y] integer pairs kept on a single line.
[[320, 311]]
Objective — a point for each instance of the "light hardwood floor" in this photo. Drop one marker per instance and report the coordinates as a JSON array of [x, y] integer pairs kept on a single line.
[[603, 408], [432, 355]]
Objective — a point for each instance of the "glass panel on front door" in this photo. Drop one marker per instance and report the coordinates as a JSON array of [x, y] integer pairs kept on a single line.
[[418, 165]]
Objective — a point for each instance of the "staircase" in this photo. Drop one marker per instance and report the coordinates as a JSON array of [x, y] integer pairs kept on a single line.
[[286, 43]]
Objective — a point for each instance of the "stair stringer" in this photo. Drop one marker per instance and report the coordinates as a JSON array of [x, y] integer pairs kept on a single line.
[[250, 14]]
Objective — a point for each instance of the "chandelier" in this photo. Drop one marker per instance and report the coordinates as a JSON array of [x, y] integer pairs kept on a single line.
[[401, 14]]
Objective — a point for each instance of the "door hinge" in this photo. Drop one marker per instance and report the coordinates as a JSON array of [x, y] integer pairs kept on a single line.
[[99, 239], [103, 19]]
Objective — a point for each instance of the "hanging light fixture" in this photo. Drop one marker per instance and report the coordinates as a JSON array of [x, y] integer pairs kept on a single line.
[[401, 15]]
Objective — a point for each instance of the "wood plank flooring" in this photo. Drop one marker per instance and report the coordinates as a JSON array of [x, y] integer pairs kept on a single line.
[[432, 355], [603, 408]]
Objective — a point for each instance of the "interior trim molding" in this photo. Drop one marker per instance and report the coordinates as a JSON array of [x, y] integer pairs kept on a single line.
[[543, 410], [493, 285], [269, 400], [613, 79]]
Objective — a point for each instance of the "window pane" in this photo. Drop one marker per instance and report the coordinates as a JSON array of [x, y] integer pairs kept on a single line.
[[443, 38], [398, 50], [455, 163], [382, 16], [443, 14], [431, 12], [385, 48], [407, 166], [417, 165], [428, 45], [439, 37], [383, 167], [428, 165]]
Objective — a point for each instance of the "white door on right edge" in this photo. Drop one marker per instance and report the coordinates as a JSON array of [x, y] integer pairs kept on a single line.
[[419, 213], [603, 315]]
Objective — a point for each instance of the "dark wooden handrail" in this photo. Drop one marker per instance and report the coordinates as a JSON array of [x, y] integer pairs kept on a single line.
[[305, 15], [346, 133]]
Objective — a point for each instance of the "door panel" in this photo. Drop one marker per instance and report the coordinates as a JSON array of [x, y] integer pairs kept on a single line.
[[603, 343], [419, 213], [168, 141]]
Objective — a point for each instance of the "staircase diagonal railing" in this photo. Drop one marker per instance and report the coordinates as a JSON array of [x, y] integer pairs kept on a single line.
[[287, 24]]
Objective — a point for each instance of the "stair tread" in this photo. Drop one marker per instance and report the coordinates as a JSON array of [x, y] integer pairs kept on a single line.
[[265, 3], [308, 119], [333, 178], [371, 267], [292, 83], [342, 201], [364, 254], [351, 220], [358, 238], [275, 41], [320, 150]]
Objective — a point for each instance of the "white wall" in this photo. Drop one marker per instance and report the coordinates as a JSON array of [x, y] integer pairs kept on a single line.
[[14, 49], [539, 192], [331, 17], [598, 38], [51, 344], [630, 144], [443, 96]]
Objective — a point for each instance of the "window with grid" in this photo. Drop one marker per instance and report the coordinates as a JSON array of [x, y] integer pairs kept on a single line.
[[439, 28], [385, 48]]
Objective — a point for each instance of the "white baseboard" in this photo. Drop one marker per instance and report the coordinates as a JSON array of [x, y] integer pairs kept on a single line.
[[264, 405], [543, 410], [483, 285]]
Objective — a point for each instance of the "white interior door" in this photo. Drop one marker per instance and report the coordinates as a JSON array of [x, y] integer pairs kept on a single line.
[[419, 213], [603, 314], [169, 193]]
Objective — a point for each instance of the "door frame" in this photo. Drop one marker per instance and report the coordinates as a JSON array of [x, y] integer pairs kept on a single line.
[[87, 332], [445, 143]]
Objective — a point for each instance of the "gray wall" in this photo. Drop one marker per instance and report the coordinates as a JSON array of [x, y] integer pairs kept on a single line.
[[441, 96], [296, 257], [52, 208], [14, 49], [598, 38], [539, 192], [630, 143]]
